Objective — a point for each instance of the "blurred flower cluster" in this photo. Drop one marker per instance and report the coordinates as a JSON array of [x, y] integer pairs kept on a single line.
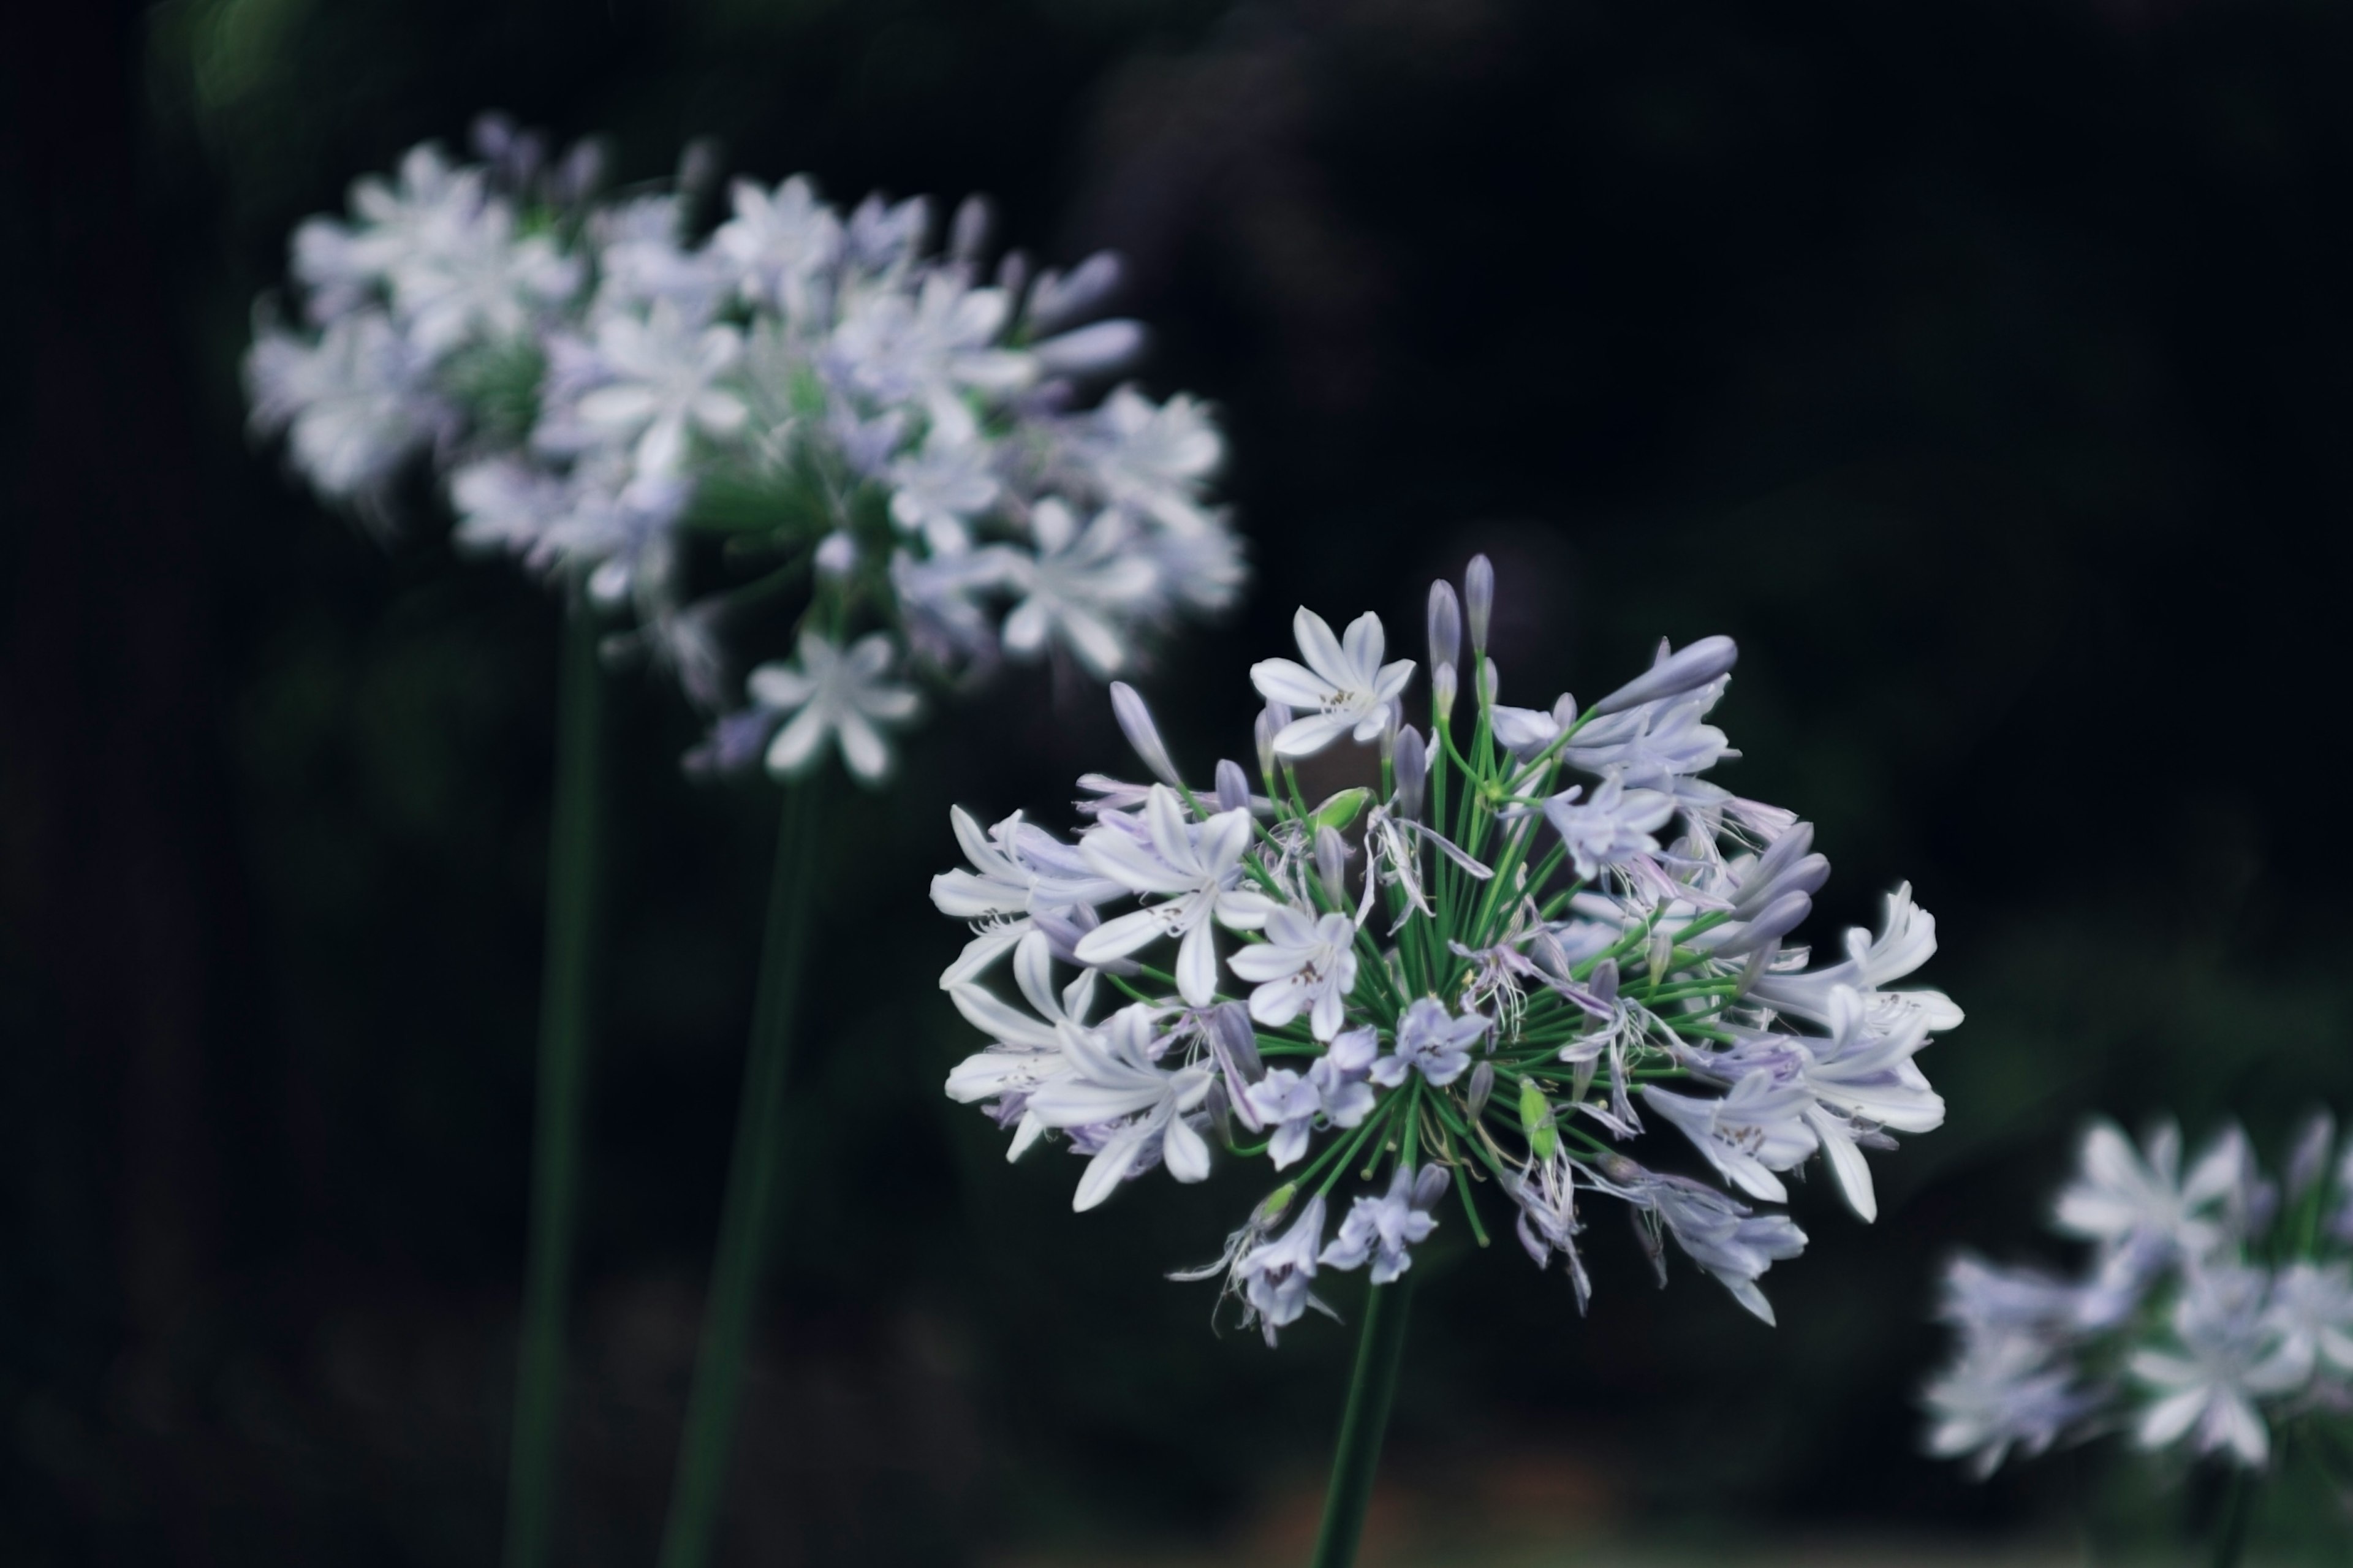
[[1476, 974], [815, 407], [2214, 1311]]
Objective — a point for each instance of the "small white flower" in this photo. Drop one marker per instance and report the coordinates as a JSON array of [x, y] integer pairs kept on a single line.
[[1611, 827], [1333, 1093], [1114, 1084], [2230, 1356], [1277, 1275], [2145, 1209], [1305, 965], [1153, 460], [1758, 1126], [938, 489], [1078, 587], [2002, 1392], [1345, 686], [663, 375], [834, 693], [777, 242], [1380, 1230], [355, 404], [1195, 868], [1431, 1041]]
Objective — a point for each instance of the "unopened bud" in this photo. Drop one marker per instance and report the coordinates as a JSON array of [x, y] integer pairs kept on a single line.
[[1479, 599], [2309, 1162], [1545, 1142], [1411, 765], [1441, 692], [1271, 721], [1766, 927], [1564, 711], [1332, 865], [1535, 1109], [837, 555], [1674, 674], [1482, 1088], [1445, 624], [1233, 786], [1430, 1185], [1340, 810], [1221, 1111], [1143, 734], [1236, 1043], [1490, 678], [1270, 1207], [968, 233]]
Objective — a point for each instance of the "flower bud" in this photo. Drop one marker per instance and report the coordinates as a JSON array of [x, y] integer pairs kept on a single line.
[[1235, 1042], [1441, 693], [1765, 929], [1271, 721], [1332, 865], [1674, 674], [1564, 711], [1143, 734], [837, 555], [1482, 1088], [1271, 1208], [968, 231], [1535, 1109], [1445, 624], [2309, 1163], [1411, 763], [1233, 786], [1430, 1185], [1490, 678], [1340, 810], [1479, 599]]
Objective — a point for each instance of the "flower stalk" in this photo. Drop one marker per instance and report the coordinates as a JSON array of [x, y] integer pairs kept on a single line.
[[565, 1025], [1381, 1353], [747, 1214]]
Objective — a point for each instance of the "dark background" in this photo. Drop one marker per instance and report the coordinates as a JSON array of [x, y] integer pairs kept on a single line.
[[1982, 367]]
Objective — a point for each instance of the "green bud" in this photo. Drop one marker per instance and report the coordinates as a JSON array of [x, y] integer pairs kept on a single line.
[[1535, 1110], [1341, 810], [1276, 1202], [1545, 1142]]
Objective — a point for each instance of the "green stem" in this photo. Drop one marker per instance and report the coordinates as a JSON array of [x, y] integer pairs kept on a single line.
[[747, 1215], [2237, 1513], [1380, 1350], [566, 983]]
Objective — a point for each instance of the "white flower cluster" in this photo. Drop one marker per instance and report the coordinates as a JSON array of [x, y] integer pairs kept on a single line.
[[1475, 975], [898, 441], [2213, 1311]]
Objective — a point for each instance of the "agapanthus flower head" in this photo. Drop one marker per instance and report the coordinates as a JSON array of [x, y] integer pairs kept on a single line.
[[801, 421], [2207, 1317], [1469, 971]]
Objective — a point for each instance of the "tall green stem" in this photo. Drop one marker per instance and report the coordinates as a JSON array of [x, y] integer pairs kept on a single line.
[[747, 1215], [563, 1038], [1380, 1350]]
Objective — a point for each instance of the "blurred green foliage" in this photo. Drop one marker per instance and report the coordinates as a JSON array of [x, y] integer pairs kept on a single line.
[[1983, 367]]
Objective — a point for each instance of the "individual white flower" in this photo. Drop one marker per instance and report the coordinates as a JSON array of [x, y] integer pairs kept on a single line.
[[835, 694], [1757, 1128], [1020, 873], [777, 242], [1306, 964], [2311, 1308], [1344, 685], [1907, 938], [2002, 1392], [1863, 1072], [938, 489], [1333, 1093], [927, 347], [355, 404], [642, 260], [1151, 459], [1075, 588], [420, 211], [1719, 1234], [1433, 1042], [1195, 868], [1609, 828], [662, 383], [1114, 1083], [2229, 1357], [1277, 1276], [1381, 1229], [1028, 1050], [477, 281], [2145, 1212]]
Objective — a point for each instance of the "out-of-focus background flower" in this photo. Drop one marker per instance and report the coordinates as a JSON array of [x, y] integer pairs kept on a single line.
[[1986, 369]]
